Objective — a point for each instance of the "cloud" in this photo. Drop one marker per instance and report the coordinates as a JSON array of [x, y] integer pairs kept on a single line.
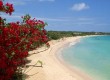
[[46, 0], [85, 19], [19, 2], [16, 2], [50, 19], [13, 16], [63, 21], [102, 24], [80, 7]]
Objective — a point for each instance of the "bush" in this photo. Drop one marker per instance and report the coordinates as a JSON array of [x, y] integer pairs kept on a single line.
[[16, 39]]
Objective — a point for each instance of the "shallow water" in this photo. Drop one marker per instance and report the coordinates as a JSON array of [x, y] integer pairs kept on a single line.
[[91, 55]]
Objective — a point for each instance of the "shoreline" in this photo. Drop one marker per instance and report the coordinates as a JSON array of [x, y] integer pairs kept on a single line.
[[54, 68], [80, 75]]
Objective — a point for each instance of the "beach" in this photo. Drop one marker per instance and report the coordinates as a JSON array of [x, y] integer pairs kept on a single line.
[[53, 68]]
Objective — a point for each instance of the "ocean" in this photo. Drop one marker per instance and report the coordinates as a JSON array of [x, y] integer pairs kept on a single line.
[[90, 55]]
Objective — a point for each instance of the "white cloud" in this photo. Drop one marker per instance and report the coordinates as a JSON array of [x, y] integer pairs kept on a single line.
[[102, 24], [80, 6], [85, 19], [17, 3], [50, 19], [11, 17], [47, 0], [68, 21], [25, 2]]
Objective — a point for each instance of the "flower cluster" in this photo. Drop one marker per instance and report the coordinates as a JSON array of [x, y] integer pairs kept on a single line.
[[16, 39], [8, 8]]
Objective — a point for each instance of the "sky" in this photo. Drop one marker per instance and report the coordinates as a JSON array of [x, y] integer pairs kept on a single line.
[[65, 15]]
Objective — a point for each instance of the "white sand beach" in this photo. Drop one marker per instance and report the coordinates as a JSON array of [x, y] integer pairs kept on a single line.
[[53, 68]]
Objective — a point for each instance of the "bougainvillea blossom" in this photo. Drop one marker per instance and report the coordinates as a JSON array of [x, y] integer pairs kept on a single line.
[[17, 39]]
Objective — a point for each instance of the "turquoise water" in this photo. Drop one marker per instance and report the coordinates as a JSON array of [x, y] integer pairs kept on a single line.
[[91, 55]]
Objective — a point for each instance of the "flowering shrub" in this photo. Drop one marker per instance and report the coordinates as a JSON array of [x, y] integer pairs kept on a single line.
[[16, 39], [8, 8]]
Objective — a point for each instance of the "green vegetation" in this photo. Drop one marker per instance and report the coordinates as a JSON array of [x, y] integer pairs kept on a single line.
[[54, 35], [59, 34]]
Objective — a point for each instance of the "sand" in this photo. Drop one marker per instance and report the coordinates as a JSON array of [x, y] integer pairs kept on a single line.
[[53, 67]]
